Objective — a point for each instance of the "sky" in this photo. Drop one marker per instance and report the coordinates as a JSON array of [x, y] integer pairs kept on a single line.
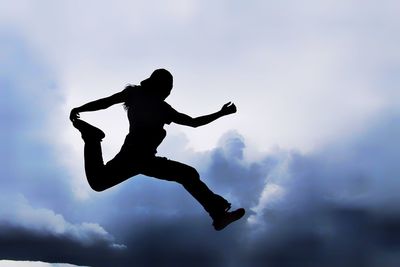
[[312, 153]]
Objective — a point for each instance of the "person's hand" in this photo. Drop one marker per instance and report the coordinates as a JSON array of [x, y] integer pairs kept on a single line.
[[74, 114], [228, 108]]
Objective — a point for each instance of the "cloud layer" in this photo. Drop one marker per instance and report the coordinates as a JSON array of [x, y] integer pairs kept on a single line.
[[315, 209], [41, 234], [10, 263], [303, 72], [31, 176]]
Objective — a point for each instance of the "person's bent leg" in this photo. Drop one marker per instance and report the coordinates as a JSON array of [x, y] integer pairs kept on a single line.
[[94, 165], [189, 178]]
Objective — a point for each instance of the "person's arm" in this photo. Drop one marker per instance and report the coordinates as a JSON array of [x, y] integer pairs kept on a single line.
[[184, 119], [99, 104]]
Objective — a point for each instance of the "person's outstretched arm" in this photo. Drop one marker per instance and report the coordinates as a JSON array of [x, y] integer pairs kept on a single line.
[[184, 119], [99, 104]]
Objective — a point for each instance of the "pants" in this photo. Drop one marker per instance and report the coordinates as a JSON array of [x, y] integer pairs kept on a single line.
[[128, 163]]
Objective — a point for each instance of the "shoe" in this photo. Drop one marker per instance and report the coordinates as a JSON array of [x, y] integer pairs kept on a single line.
[[227, 218], [89, 132]]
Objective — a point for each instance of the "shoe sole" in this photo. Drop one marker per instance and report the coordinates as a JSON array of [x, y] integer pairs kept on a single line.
[[234, 216], [88, 131]]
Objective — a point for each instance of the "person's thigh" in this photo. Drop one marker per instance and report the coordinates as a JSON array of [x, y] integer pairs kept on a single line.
[[119, 169], [170, 170]]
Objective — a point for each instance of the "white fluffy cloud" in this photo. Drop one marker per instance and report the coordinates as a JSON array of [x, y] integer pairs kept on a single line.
[[302, 73], [44, 222], [10, 263]]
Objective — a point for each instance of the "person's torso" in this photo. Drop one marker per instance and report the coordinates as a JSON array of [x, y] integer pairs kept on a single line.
[[147, 116]]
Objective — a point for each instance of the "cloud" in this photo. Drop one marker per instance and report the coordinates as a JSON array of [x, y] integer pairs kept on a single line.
[[45, 222], [9, 263], [42, 234], [31, 102], [230, 174], [334, 207], [313, 71], [327, 208], [30, 167], [315, 209]]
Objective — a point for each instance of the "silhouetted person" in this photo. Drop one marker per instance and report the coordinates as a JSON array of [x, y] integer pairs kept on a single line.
[[147, 114]]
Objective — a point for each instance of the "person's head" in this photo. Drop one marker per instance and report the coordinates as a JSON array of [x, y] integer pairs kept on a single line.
[[160, 82]]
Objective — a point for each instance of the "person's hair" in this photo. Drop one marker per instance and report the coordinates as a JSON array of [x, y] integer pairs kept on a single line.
[[159, 83], [128, 103]]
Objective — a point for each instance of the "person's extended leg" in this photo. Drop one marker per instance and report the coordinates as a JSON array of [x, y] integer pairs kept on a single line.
[[187, 176]]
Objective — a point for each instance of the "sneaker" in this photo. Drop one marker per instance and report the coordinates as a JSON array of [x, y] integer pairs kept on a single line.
[[227, 218], [89, 132]]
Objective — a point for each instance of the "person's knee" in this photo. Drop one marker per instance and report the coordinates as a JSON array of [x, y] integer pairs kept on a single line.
[[191, 175], [96, 186]]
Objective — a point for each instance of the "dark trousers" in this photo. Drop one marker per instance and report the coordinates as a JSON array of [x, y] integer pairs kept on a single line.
[[128, 163]]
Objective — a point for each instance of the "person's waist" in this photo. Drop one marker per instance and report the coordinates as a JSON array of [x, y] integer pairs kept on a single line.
[[146, 128], [146, 132]]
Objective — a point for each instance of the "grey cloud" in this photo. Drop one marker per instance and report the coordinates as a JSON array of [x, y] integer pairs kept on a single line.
[[29, 94], [28, 233], [328, 236], [318, 218], [8, 263], [231, 175], [337, 207], [30, 167], [22, 244], [330, 212], [334, 207]]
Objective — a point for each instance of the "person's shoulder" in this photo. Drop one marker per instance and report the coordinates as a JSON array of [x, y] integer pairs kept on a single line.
[[168, 106], [169, 111]]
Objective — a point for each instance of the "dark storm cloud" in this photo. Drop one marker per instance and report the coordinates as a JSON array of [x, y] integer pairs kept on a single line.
[[334, 207], [339, 206], [325, 214], [333, 212], [233, 176], [329, 236], [28, 233], [24, 244]]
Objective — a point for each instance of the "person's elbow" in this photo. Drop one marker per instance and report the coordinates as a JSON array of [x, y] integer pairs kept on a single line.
[[193, 123]]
